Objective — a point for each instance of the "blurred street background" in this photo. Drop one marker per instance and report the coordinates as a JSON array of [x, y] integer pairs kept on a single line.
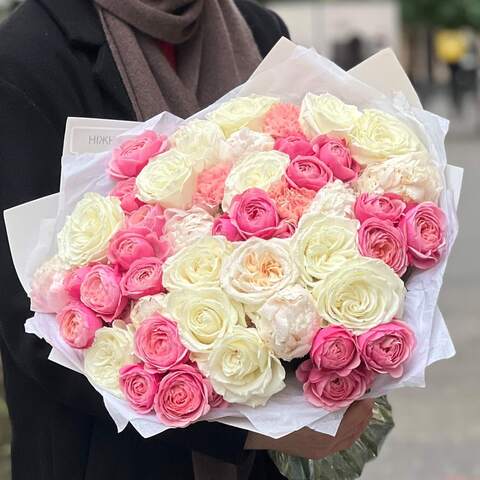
[[437, 433]]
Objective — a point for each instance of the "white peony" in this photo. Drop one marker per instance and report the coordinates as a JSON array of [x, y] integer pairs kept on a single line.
[[147, 307], [245, 142], [335, 199]]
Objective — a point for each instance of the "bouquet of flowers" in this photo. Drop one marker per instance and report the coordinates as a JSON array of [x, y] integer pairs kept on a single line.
[[282, 249]]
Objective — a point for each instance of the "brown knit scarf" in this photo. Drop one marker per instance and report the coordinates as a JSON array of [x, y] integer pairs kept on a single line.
[[215, 51]]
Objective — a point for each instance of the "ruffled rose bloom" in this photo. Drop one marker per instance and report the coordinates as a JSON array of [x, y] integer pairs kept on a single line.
[[214, 399], [335, 349], [132, 155], [383, 240], [158, 344], [144, 277], [243, 370], [182, 397], [78, 324], [294, 146], [388, 206], [336, 155], [331, 391], [139, 387], [73, 281], [245, 142], [335, 199], [308, 172], [386, 348], [282, 120], [126, 192], [100, 291], [424, 227], [147, 307], [148, 216], [224, 226], [211, 187]]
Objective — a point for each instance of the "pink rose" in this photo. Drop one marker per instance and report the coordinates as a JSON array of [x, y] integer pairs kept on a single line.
[[388, 206], [125, 190], [139, 387], [143, 277], [294, 146], [100, 291], [130, 244], [182, 397], [383, 240], [335, 349], [387, 347], [424, 228], [308, 172], [215, 400], [336, 155], [254, 214], [132, 155], [223, 226], [73, 281], [158, 344], [78, 324], [148, 216]]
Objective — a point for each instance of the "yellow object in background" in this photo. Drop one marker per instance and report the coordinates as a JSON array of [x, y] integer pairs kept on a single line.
[[451, 45]]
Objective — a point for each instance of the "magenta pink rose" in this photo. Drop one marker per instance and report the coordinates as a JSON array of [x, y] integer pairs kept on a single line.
[[336, 155], [132, 155], [383, 240], [125, 190], [308, 172], [73, 281], [158, 344], [223, 226], [101, 292], [143, 277], [386, 347], [139, 387], [335, 349], [388, 206], [78, 324], [182, 397], [424, 229], [215, 400], [148, 216], [294, 146], [254, 214]]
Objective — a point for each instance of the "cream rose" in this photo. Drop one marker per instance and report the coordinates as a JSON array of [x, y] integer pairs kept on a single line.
[[258, 170], [413, 176], [359, 295], [325, 113], [245, 142], [146, 307], [323, 244], [168, 179], [242, 112], [243, 370], [335, 199], [378, 135], [87, 231], [287, 322], [112, 349]]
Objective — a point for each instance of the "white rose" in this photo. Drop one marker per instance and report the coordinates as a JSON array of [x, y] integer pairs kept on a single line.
[[325, 113], [258, 170], [87, 231], [147, 307], [335, 199], [359, 295], [287, 322], [243, 370], [246, 141], [413, 176], [111, 350]]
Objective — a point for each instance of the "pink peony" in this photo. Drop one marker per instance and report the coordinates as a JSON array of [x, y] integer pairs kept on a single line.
[[143, 277], [125, 190], [383, 240], [308, 172], [182, 397], [148, 216], [132, 155], [78, 324], [335, 349], [211, 187], [388, 206], [223, 226], [294, 146], [424, 228], [73, 281], [282, 120], [387, 347], [158, 344], [139, 387]]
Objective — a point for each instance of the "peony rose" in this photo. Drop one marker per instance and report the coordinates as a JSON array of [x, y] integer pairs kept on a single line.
[[336, 155], [325, 113], [245, 142], [101, 292], [144, 277], [334, 349], [139, 387], [214, 399], [126, 192], [87, 231], [243, 370], [77, 325], [211, 187], [424, 228], [223, 226], [282, 120], [148, 216], [158, 344], [294, 147], [308, 172], [389, 206], [182, 397], [73, 281], [383, 240], [147, 307], [387, 347], [242, 112], [335, 199], [360, 294], [287, 322]]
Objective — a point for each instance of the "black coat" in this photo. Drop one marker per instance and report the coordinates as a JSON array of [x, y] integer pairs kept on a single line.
[[55, 63]]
